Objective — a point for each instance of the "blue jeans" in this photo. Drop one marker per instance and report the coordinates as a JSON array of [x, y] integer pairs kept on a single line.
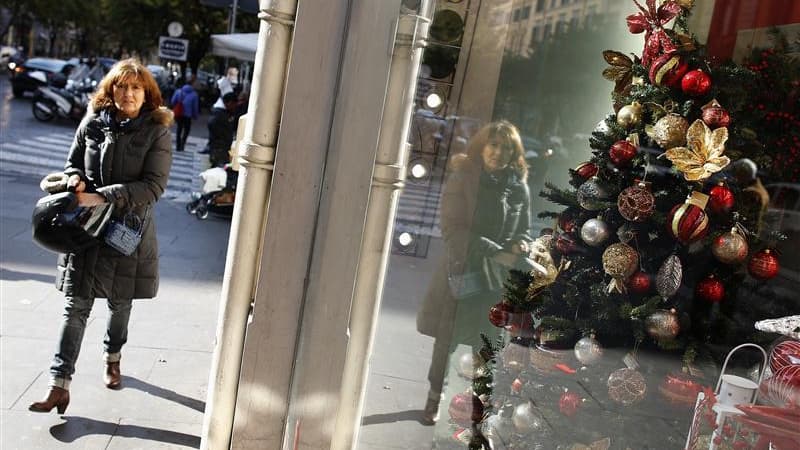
[[76, 312]]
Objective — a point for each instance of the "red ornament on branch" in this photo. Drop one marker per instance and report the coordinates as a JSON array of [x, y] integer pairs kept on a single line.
[[465, 409], [622, 152], [710, 289], [668, 70], [499, 314], [651, 21], [586, 170], [640, 283], [720, 199], [688, 222], [763, 265], [714, 115], [696, 83]]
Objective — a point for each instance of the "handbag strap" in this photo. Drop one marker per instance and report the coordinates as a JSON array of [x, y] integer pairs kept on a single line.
[[142, 220]]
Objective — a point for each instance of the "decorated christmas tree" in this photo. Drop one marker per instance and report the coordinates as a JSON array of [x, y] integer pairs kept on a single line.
[[659, 264]]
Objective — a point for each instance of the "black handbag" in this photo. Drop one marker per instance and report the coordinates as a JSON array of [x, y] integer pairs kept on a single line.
[[126, 234]]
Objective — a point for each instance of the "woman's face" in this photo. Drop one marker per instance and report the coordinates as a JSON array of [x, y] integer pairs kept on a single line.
[[496, 155], [128, 97]]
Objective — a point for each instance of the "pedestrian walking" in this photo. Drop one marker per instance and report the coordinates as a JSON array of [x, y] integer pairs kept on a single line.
[[221, 130], [186, 107], [121, 155]]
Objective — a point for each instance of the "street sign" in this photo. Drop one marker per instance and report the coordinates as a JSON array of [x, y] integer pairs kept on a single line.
[[172, 48]]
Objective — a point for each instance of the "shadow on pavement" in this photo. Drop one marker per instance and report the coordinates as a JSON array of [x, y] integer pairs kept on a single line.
[[413, 415], [166, 394], [78, 427], [14, 275]]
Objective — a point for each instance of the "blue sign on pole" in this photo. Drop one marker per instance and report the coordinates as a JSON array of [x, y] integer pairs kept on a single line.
[[173, 48]]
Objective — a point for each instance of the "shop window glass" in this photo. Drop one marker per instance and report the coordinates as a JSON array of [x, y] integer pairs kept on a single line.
[[584, 237]]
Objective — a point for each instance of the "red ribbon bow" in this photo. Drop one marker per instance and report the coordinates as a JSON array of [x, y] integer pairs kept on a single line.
[[651, 21]]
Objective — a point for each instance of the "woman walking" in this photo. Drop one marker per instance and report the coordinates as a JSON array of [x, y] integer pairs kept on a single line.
[[121, 154]]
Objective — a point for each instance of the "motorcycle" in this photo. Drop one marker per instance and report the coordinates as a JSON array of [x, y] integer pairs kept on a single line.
[[69, 103]]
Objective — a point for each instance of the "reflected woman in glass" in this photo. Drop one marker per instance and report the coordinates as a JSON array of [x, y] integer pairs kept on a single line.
[[485, 226]]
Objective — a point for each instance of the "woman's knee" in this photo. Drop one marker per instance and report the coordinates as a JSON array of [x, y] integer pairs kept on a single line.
[[77, 309]]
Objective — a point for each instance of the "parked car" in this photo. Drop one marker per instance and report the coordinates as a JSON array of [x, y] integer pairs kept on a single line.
[[35, 72]]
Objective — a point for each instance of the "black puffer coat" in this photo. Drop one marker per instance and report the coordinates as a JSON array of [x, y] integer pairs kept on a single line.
[[129, 165]]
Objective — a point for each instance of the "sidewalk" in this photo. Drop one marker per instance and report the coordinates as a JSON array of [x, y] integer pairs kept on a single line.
[[165, 364]]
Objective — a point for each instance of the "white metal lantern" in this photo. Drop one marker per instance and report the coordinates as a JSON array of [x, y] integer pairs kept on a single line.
[[734, 390]]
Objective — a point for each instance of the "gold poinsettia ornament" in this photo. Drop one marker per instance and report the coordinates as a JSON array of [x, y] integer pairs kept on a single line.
[[619, 70], [702, 155]]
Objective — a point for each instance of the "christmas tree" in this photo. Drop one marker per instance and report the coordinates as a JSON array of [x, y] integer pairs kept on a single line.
[[658, 268]]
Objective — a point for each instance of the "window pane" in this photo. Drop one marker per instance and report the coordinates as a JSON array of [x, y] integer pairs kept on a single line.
[[599, 306]]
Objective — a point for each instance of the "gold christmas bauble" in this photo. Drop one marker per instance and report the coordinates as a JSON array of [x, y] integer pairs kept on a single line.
[[730, 248], [630, 115], [670, 131], [620, 260], [663, 324]]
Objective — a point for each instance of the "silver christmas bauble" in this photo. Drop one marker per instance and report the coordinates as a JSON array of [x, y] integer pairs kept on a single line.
[[468, 364], [526, 418], [592, 194], [594, 232], [588, 350]]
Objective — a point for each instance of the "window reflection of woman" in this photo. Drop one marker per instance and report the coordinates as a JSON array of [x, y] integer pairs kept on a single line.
[[485, 224]]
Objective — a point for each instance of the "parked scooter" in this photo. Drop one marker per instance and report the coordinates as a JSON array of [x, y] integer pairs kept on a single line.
[[69, 103]]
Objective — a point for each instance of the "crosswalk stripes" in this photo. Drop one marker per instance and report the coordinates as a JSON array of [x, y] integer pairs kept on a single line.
[[417, 211], [46, 153]]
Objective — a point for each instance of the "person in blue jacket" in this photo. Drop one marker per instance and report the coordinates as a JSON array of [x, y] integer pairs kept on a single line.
[[188, 110]]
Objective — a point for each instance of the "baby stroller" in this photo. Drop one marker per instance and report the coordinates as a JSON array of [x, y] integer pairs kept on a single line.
[[218, 193]]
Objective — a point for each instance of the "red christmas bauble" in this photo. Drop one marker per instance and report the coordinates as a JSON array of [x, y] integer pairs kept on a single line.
[[696, 83], [465, 409], [715, 116], [710, 289], [567, 221], [569, 403], [520, 324], [720, 199], [783, 387], [622, 152], [688, 221], [763, 265], [785, 353], [639, 283], [566, 244], [667, 70], [499, 314], [586, 170]]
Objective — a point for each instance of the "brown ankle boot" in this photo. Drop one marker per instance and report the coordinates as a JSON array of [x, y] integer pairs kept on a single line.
[[112, 377], [56, 398]]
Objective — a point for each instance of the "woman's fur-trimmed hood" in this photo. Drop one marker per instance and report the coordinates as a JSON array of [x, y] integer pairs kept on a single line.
[[162, 116]]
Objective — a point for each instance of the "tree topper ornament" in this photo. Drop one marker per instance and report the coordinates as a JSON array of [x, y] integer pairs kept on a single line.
[[702, 155], [651, 21]]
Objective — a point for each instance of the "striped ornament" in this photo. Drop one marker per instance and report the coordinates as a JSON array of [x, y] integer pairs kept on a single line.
[[688, 222]]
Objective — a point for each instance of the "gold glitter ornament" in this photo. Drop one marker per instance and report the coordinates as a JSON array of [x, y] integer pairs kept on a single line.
[[626, 386], [630, 115], [620, 261], [636, 203], [670, 131]]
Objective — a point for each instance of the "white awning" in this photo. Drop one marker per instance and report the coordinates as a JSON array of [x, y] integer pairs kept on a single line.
[[237, 45]]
